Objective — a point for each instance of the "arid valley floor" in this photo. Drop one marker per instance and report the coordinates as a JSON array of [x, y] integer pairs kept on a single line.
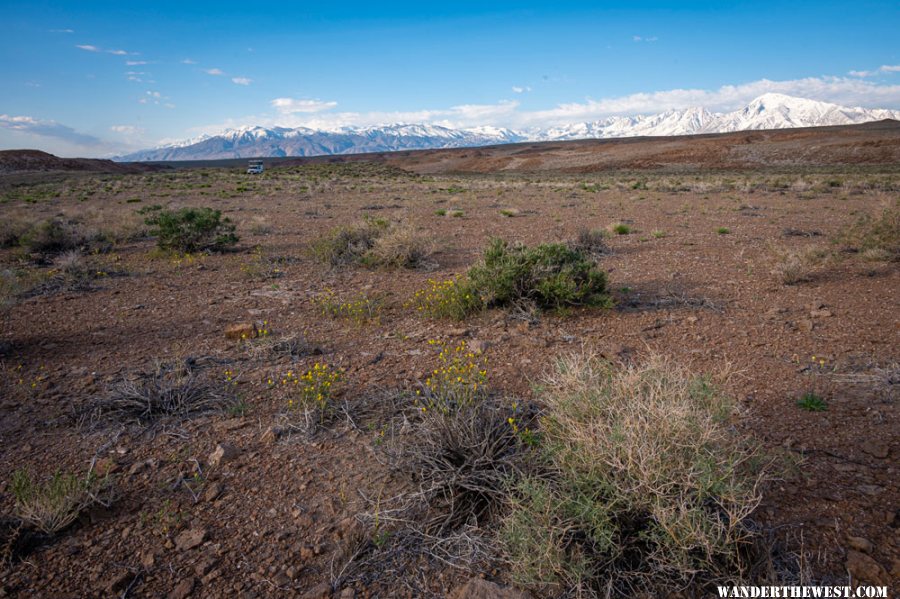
[[246, 501]]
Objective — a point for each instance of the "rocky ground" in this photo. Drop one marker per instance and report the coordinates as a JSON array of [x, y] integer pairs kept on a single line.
[[239, 504]]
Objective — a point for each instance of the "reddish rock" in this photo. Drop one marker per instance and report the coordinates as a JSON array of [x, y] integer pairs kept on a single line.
[[183, 589], [865, 569], [190, 538], [224, 452], [244, 330]]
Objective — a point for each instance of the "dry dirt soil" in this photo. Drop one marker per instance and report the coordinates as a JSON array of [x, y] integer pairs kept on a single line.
[[278, 515]]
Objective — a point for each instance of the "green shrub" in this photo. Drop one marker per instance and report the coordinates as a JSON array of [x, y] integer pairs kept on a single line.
[[723, 231], [190, 229], [621, 229], [552, 276], [812, 403]]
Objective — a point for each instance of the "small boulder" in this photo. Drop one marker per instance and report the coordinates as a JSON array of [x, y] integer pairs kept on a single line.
[[865, 569], [212, 492], [183, 589], [478, 346], [119, 582], [320, 591], [272, 434], [243, 330], [224, 452], [875, 448], [190, 538], [860, 544]]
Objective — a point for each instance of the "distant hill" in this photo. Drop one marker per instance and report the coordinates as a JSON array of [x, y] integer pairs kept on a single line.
[[29, 161], [769, 111], [870, 144]]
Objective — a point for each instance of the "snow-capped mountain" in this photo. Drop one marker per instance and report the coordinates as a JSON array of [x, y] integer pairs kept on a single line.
[[769, 111], [259, 142]]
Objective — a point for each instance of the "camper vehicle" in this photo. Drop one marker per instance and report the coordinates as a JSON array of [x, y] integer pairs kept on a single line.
[[255, 167]]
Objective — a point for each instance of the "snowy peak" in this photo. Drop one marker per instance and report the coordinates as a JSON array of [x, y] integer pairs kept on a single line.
[[768, 111]]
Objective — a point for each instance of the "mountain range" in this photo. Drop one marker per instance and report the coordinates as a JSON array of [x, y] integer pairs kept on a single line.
[[769, 111]]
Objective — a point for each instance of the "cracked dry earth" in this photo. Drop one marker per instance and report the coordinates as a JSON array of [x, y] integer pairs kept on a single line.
[[235, 505]]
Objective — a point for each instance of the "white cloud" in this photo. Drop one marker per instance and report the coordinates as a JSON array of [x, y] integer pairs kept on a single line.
[[153, 97], [293, 105], [129, 130], [318, 114], [87, 47], [118, 52], [638, 38], [51, 129], [188, 61], [885, 68], [520, 89], [216, 72], [839, 90], [61, 30], [242, 80], [135, 63]]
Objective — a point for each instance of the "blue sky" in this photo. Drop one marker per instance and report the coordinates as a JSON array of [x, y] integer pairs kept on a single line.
[[101, 78]]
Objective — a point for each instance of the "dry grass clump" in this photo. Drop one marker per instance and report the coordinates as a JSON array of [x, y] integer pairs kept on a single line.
[[348, 245], [11, 231], [877, 238], [260, 225], [591, 241], [375, 243], [460, 447], [794, 266], [646, 488], [54, 504], [462, 461], [10, 288], [400, 247], [291, 347], [51, 237], [179, 390]]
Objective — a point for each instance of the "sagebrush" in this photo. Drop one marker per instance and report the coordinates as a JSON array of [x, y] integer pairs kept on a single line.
[[190, 229], [646, 487]]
